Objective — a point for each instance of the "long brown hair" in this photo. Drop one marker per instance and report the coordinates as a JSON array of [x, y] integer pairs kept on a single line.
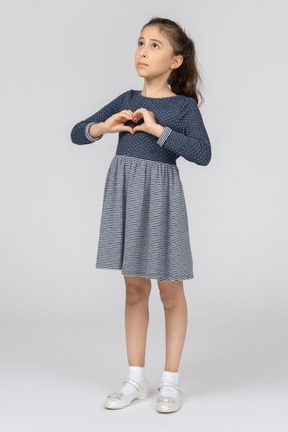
[[185, 79]]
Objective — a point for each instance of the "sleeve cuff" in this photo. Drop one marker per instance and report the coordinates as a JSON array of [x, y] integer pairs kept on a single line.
[[166, 132], [88, 136]]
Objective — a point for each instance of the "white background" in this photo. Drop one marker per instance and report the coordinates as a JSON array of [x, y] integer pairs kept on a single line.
[[62, 321]]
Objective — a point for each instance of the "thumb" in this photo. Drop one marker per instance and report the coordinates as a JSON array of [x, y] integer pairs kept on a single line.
[[128, 129], [137, 128]]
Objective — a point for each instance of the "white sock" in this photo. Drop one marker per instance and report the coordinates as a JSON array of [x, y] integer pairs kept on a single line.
[[168, 391], [135, 373]]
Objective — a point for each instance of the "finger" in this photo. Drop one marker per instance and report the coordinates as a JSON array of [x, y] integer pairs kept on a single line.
[[128, 112], [137, 116], [125, 113], [139, 113], [137, 128], [127, 129], [123, 117], [140, 110]]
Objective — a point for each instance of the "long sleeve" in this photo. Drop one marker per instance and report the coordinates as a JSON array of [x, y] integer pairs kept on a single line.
[[192, 142], [80, 132]]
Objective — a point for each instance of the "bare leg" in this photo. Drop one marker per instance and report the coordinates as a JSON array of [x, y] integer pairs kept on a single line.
[[138, 290], [175, 308]]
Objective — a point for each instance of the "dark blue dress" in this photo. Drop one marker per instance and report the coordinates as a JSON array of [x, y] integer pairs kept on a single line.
[[144, 225]]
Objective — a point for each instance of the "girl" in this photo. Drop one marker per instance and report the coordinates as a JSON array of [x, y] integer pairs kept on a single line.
[[144, 225]]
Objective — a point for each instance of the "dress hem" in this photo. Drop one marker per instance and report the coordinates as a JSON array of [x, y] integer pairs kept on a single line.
[[147, 276]]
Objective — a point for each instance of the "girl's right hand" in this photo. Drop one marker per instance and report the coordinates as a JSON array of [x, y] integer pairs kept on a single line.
[[115, 123]]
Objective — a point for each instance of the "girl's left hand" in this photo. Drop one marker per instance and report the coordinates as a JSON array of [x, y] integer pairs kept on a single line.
[[149, 120]]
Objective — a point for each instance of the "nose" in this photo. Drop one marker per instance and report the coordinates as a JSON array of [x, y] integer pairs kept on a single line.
[[143, 53]]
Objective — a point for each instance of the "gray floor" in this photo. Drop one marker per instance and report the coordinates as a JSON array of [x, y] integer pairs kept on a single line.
[[55, 378]]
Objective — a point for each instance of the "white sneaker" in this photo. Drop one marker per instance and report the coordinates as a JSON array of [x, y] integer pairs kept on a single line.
[[169, 404], [120, 400]]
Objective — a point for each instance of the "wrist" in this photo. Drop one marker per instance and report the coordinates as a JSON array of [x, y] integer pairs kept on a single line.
[[157, 131], [97, 129]]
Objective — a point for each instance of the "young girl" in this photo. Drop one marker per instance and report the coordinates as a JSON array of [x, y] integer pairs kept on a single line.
[[144, 225]]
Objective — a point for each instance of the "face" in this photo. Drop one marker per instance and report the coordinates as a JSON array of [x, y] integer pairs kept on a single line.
[[155, 51]]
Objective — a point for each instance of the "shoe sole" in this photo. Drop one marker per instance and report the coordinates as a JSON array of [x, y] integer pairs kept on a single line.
[[167, 412], [142, 396]]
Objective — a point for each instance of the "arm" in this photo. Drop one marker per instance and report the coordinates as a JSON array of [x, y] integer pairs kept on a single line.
[[80, 133], [192, 142]]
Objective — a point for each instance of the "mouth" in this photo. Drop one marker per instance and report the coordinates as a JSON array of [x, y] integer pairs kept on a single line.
[[142, 64]]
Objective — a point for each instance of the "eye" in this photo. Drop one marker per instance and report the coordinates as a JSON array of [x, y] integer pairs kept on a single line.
[[140, 42]]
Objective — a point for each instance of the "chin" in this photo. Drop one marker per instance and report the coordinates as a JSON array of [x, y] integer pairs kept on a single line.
[[140, 73]]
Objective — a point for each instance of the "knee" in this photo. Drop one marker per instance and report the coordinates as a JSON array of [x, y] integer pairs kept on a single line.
[[137, 292], [171, 293], [168, 299]]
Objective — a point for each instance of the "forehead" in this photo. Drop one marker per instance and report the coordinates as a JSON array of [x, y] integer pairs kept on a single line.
[[153, 32]]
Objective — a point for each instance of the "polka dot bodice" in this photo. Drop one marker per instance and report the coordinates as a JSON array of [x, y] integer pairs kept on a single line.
[[184, 132]]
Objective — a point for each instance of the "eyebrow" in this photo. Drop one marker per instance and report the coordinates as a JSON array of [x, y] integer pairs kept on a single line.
[[141, 37]]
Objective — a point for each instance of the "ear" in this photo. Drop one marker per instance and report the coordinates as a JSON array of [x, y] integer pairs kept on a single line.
[[178, 60]]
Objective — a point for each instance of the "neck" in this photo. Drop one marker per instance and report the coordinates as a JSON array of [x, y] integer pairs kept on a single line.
[[151, 89]]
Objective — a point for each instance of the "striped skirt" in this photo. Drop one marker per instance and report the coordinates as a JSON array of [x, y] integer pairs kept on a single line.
[[144, 224]]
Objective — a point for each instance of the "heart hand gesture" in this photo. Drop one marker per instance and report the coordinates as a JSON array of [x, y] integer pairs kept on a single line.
[[149, 121], [115, 123]]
